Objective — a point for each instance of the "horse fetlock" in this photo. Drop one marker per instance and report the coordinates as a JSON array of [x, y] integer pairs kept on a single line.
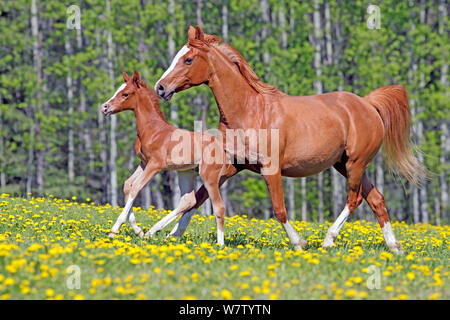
[[328, 242], [140, 233], [111, 235]]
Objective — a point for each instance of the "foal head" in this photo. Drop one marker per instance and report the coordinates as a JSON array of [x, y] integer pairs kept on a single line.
[[125, 97], [189, 67]]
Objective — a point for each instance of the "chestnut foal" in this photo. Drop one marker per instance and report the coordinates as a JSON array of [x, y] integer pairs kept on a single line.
[[161, 146]]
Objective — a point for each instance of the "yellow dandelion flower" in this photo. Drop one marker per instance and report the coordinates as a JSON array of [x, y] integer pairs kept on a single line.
[[226, 294]]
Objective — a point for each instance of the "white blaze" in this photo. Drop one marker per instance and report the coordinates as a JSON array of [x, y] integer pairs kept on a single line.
[[118, 90], [180, 53]]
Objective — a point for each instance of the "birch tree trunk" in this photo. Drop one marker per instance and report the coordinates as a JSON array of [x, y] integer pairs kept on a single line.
[[420, 131], [37, 43], [318, 86], [290, 182], [113, 123], [265, 29], [173, 108], [70, 147], [444, 137], [225, 20], [2, 155], [229, 211], [84, 128], [304, 204]]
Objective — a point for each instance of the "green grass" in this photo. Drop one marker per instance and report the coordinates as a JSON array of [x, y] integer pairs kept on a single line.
[[41, 238]]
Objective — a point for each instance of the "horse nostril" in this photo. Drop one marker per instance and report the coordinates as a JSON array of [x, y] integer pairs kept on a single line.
[[160, 88], [105, 107]]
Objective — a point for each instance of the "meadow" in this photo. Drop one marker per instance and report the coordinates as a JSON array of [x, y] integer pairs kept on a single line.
[[58, 249]]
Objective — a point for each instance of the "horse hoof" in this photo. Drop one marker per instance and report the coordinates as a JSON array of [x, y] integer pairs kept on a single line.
[[140, 234], [303, 244], [149, 234], [397, 248], [328, 242], [111, 235]]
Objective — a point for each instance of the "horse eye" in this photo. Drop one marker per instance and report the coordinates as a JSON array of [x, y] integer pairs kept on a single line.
[[188, 61], [125, 95]]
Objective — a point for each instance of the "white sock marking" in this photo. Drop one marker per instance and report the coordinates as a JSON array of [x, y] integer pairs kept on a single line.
[[336, 227], [293, 236], [220, 237], [123, 216], [388, 234]]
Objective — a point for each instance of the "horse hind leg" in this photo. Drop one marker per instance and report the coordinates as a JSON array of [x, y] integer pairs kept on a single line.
[[376, 202], [187, 201], [201, 195], [353, 172]]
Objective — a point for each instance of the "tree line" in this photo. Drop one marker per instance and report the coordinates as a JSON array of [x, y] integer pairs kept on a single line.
[[59, 62]]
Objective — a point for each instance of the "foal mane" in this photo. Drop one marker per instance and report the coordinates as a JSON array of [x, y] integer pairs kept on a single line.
[[231, 53], [154, 99]]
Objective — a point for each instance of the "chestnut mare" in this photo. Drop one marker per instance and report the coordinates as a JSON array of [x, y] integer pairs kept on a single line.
[[158, 146], [338, 129]]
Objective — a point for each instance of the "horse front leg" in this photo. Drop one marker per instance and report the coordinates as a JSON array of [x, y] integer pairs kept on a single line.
[[126, 189], [139, 181], [275, 186]]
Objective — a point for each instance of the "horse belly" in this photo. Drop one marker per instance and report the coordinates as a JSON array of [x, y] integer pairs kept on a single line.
[[181, 167], [311, 158]]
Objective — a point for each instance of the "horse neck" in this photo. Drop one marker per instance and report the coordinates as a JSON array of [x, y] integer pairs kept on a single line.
[[147, 113], [231, 91]]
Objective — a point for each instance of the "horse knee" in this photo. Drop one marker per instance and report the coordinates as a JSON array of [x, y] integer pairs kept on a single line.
[[127, 187]]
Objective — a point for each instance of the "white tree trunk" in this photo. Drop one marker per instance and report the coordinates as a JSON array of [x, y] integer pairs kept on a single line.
[[112, 136], [70, 147], [318, 85], [304, 204], [225, 20], [445, 139]]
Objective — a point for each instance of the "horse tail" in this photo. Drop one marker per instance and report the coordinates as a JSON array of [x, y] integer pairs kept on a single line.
[[391, 103]]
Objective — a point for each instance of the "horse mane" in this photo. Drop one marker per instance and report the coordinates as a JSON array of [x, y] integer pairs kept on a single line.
[[231, 53], [153, 98]]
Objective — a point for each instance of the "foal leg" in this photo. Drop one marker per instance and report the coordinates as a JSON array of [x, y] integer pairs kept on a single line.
[[210, 175], [354, 173], [139, 182], [187, 201], [275, 187], [200, 197], [126, 189]]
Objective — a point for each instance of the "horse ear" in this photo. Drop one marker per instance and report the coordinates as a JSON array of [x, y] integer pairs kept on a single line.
[[126, 77], [136, 78], [191, 33], [199, 33]]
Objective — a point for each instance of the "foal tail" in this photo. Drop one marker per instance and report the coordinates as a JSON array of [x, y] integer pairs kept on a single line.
[[391, 103]]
